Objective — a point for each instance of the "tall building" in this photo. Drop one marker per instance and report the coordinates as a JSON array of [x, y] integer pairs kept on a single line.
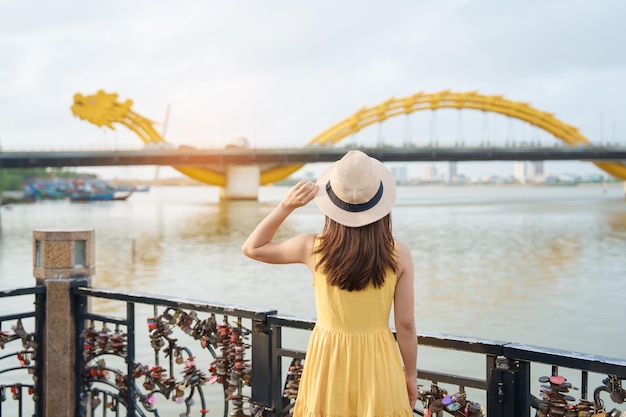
[[430, 173], [519, 171], [535, 171], [452, 173]]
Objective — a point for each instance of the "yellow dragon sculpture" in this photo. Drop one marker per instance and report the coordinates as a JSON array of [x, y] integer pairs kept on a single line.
[[104, 109]]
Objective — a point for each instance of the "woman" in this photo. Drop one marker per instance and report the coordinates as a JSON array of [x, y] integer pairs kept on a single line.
[[352, 364]]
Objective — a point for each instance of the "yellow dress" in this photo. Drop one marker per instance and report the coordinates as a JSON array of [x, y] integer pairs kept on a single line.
[[353, 366]]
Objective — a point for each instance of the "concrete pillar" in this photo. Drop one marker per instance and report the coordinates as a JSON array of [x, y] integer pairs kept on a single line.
[[61, 259], [242, 183]]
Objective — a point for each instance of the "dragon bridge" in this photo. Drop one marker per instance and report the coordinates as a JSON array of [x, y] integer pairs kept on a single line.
[[103, 109]]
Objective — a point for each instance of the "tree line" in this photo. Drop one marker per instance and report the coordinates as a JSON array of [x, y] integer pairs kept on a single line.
[[14, 179]]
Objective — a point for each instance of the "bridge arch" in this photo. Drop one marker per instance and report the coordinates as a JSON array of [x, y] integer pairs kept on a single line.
[[103, 109], [461, 100], [453, 100]]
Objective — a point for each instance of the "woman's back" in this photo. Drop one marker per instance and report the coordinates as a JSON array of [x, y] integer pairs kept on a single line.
[[352, 367], [362, 311]]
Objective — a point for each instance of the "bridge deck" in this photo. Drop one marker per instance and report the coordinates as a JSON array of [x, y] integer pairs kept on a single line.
[[280, 156]]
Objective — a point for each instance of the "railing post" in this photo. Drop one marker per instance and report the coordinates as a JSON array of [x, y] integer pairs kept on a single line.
[[508, 388], [61, 260], [262, 361], [277, 389]]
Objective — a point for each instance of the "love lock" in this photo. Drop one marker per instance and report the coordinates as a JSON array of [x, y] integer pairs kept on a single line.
[[16, 391], [168, 317], [188, 322], [451, 402], [436, 407], [148, 384], [473, 410], [18, 329], [95, 402], [614, 385], [617, 396], [4, 338], [151, 322], [118, 339]]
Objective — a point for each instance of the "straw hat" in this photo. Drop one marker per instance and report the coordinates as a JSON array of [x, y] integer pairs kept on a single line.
[[356, 190]]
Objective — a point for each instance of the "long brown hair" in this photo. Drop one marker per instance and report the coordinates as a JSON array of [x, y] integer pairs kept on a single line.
[[354, 257]]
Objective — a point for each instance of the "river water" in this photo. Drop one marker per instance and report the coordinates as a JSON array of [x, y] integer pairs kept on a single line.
[[536, 265]]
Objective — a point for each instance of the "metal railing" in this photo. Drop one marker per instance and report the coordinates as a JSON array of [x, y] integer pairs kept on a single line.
[[259, 387], [176, 372], [171, 356], [21, 360]]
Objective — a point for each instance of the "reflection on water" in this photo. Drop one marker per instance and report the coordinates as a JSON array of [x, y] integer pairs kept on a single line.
[[617, 223], [219, 221], [533, 265]]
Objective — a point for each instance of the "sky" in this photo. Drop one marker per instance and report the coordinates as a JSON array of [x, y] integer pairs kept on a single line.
[[279, 72]]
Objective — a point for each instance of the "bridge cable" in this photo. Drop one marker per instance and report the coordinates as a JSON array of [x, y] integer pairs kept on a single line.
[[509, 141], [485, 129], [494, 136], [534, 136], [433, 129], [157, 169], [459, 128], [407, 131]]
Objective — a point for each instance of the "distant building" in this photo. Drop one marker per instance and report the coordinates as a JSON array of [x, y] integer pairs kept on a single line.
[[535, 171], [400, 174], [519, 171], [452, 173], [430, 173]]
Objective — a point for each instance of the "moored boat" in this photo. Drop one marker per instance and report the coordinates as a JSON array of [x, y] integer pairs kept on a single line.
[[100, 196]]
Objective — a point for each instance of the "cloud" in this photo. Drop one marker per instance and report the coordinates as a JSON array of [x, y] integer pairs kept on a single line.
[[279, 72]]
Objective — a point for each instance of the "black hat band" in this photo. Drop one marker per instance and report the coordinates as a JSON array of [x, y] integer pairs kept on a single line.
[[354, 208]]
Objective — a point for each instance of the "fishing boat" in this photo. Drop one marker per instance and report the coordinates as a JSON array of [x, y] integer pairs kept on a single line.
[[36, 191], [97, 190], [100, 196]]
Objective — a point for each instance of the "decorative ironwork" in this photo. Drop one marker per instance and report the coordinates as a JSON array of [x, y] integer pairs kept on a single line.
[[506, 383], [19, 359], [225, 341]]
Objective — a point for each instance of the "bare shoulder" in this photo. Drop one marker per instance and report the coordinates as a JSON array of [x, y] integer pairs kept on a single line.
[[405, 259], [307, 240], [307, 245], [402, 249]]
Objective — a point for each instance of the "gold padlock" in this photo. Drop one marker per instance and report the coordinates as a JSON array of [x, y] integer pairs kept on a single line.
[[95, 401], [599, 413]]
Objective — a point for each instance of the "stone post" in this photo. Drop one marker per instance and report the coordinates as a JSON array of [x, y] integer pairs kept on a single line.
[[61, 260]]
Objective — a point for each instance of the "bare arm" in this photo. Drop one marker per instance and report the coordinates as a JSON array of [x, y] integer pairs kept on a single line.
[[298, 249], [404, 307]]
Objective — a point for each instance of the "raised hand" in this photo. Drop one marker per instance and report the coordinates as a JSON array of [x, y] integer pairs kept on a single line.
[[300, 195]]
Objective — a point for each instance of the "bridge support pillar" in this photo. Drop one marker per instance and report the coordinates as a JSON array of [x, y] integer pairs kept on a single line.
[[242, 183]]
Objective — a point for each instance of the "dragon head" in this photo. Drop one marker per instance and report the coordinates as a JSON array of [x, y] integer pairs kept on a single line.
[[101, 109]]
